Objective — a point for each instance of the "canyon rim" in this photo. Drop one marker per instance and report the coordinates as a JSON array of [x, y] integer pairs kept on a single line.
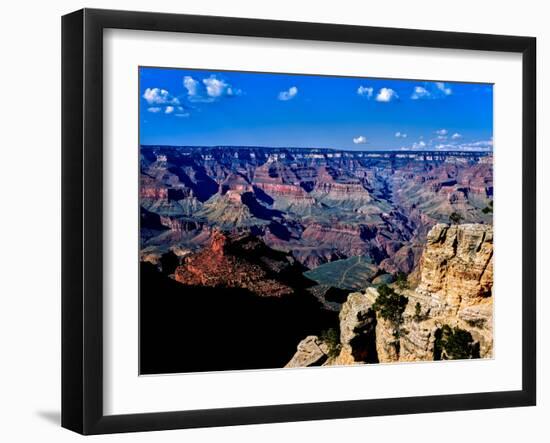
[[298, 220]]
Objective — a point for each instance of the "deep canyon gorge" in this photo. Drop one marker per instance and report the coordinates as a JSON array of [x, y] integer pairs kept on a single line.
[[255, 257]]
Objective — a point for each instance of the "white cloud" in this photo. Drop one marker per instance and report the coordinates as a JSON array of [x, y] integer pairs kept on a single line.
[[456, 136], [365, 91], [386, 95], [360, 140], [217, 88], [158, 96], [208, 89], [478, 145], [181, 112], [169, 109], [288, 95], [155, 95], [420, 92], [431, 91], [445, 147], [443, 88], [400, 135], [420, 145], [191, 85], [441, 132]]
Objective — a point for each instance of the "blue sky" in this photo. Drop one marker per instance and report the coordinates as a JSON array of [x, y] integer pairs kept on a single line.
[[210, 108]]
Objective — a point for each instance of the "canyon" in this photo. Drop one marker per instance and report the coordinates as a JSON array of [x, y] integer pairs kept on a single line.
[[315, 237], [455, 293]]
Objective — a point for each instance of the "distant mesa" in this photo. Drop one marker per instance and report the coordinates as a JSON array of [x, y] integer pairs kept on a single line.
[[321, 205]]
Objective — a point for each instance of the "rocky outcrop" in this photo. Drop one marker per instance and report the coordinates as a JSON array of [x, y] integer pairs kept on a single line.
[[456, 288], [357, 331], [311, 351], [365, 336], [242, 261], [457, 266], [455, 291], [227, 211]]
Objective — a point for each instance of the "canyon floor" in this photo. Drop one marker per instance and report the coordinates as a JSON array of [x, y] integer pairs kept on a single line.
[[256, 258]]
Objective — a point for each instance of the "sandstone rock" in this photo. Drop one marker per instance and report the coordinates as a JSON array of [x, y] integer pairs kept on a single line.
[[455, 289], [457, 266], [386, 344], [357, 330], [354, 312], [311, 351], [456, 281]]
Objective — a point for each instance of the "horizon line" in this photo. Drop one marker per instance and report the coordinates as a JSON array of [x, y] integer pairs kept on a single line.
[[310, 148]]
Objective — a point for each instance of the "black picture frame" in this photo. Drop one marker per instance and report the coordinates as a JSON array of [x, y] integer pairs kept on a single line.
[[82, 215]]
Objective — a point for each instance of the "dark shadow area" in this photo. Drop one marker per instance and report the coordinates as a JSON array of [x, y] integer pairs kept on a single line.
[[176, 194], [280, 231], [169, 262], [202, 185], [150, 225], [194, 329], [150, 220], [337, 295], [454, 344], [363, 345], [262, 196], [258, 210], [307, 185]]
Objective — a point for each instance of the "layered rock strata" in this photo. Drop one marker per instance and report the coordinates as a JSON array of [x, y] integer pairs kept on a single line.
[[455, 290]]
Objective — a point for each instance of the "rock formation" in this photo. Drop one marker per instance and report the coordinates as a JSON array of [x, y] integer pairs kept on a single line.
[[455, 291], [292, 226], [242, 261], [322, 205], [456, 288], [358, 324], [311, 351]]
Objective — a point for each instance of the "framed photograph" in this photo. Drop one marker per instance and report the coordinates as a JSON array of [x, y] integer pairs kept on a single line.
[[269, 221]]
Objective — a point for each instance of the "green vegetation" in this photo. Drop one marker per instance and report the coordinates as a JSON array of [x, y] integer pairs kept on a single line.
[[418, 314], [455, 218], [489, 208], [353, 274], [331, 337], [454, 344], [401, 280], [390, 306]]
